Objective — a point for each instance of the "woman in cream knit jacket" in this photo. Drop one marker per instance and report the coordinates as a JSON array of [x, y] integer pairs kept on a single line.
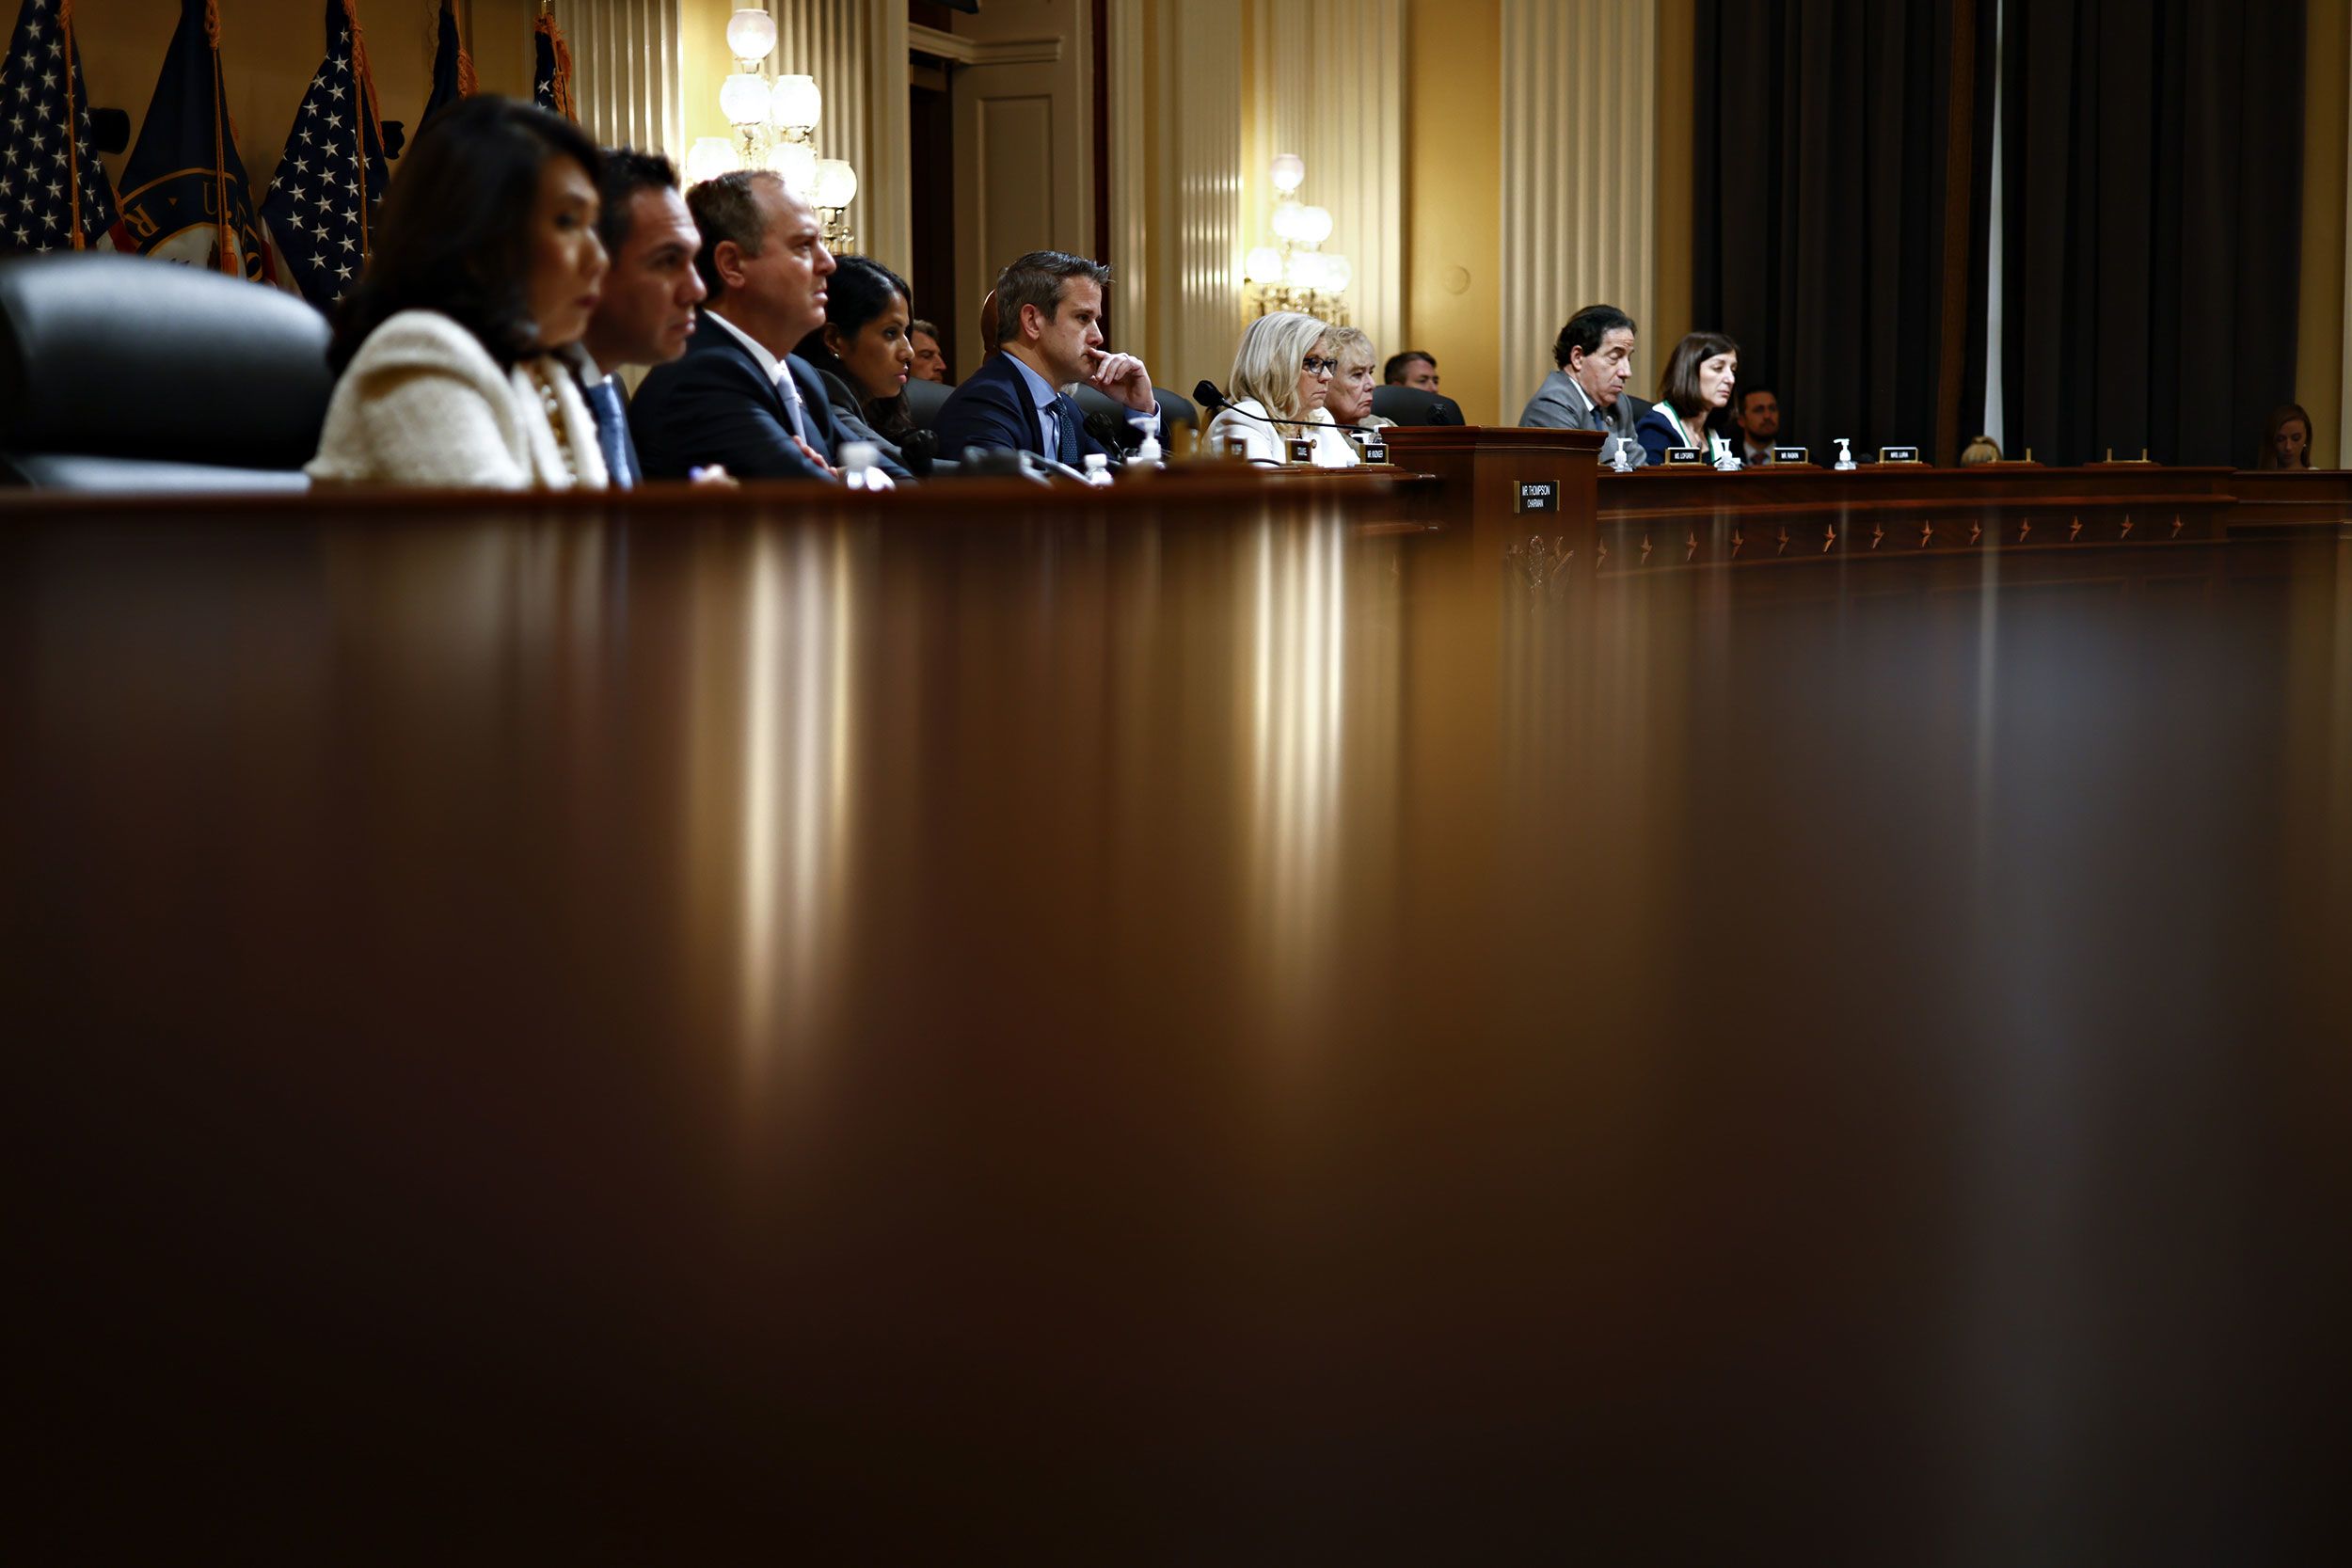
[[485, 258]]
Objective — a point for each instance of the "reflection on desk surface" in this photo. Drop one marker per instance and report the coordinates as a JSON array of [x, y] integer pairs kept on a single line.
[[1171, 1042]]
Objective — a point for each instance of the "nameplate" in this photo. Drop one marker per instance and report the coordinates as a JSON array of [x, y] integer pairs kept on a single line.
[[1233, 446], [1898, 454], [1376, 451], [1302, 448], [1536, 495], [1792, 455], [1685, 454]]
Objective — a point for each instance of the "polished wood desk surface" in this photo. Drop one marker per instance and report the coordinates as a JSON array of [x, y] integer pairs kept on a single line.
[[702, 1031]]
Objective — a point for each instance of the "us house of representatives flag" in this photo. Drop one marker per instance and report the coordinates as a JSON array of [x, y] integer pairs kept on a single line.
[[323, 198], [185, 196], [552, 68], [452, 67], [53, 192]]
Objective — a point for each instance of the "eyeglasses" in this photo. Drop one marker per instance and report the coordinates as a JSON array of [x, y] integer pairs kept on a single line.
[[1314, 364]]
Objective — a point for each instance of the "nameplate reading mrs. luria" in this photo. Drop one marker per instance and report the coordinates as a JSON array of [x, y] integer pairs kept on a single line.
[[1537, 494], [1898, 454]]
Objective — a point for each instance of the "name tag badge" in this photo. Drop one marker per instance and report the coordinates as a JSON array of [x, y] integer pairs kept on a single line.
[[1792, 455], [1302, 448], [1536, 495], [1685, 454], [1898, 454]]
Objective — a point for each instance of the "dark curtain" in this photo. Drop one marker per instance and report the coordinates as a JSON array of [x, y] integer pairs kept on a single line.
[[1833, 224], [2153, 165]]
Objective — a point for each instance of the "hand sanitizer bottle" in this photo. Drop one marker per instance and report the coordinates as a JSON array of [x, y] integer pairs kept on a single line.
[[1622, 462], [1845, 456], [1098, 469], [1147, 456]]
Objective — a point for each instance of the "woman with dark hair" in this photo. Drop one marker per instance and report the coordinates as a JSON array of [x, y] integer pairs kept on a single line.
[[484, 259], [865, 352], [2286, 439], [1693, 395]]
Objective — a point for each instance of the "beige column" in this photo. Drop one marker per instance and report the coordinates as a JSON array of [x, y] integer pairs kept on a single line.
[[1198, 61], [1330, 84], [1578, 175]]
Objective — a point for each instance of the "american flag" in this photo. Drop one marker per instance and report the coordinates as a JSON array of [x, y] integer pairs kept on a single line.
[[331, 176], [53, 192]]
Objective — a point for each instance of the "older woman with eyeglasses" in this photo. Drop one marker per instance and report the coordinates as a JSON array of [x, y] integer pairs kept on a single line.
[[1282, 379]]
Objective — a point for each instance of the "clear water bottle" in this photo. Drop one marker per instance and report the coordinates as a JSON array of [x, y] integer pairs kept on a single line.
[[861, 467]]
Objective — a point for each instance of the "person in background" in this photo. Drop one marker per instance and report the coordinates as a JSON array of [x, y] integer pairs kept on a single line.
[[1758, 418], [1049, 335], [1283, 372], [1350, 399], [2286, 438], [1595, 355], [646, 311], [1411, 367], [864, 352], [1691, 395], [738, 397], [931, 360], [485, 261], [1984, 449]]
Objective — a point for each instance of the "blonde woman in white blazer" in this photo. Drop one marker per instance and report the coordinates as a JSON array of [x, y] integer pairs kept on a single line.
[[484, 260], [1283, 372]]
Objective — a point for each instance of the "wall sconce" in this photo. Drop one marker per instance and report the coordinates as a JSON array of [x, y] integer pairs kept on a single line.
[[1296, 274]]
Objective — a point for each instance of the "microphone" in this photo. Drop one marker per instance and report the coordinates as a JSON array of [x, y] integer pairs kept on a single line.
[[1210, 398]]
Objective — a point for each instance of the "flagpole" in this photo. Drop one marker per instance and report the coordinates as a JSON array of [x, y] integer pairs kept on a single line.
[[220, 159], [366, 74], [73, 165]]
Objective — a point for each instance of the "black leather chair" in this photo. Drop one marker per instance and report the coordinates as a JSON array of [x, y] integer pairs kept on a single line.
[[122, 373], [924, 398], [1414, 405]]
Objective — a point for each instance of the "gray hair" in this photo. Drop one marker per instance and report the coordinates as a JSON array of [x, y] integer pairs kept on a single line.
[[1037, 280]]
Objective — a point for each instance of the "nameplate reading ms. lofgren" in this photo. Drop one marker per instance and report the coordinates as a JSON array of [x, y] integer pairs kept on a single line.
[[1685, 454]]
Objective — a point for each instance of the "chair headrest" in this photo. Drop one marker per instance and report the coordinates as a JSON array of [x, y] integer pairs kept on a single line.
[[1415, 406], [126, 355]]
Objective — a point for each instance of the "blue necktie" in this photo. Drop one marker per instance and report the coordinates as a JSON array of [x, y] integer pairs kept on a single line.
[[620, 455]]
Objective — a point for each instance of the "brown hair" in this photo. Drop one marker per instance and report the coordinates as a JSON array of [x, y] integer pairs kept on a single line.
[[2268, 456], [1678, 388]]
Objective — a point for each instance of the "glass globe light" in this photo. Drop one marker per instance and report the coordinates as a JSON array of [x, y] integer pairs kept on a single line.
[[1307, 271], [743, 99], [798, 105], [795, 163], [1315, 224], [835, 185], [751, 34], [1286, 216], [1338, 273], [1263, 265], [1289, 172], [709, 158]]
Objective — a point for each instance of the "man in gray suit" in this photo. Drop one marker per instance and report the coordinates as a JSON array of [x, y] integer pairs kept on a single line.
[[1595, 352]]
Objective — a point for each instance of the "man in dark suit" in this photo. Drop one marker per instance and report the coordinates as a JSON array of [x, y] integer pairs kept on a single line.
[[738, 397], [1049, 334], [646, 311], [1595, 355]]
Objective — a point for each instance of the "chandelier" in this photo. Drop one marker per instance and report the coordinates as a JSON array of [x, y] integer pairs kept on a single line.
[[1296, 273], [776, 128]]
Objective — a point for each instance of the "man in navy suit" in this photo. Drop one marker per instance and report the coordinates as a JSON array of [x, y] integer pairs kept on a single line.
[[1049, 334], [737, 397]]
